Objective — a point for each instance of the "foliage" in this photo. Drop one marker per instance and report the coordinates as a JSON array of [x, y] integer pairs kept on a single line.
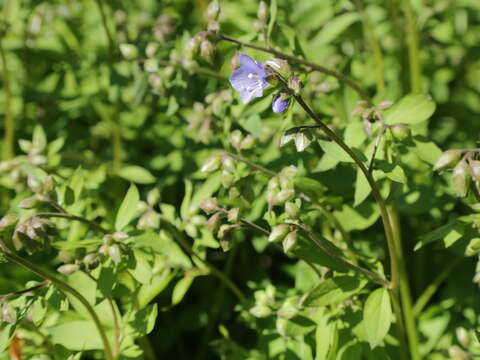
[[239, 180]]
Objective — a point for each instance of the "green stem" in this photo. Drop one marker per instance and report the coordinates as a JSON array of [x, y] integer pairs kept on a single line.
[[425, 297], [9, 135], [404, 287], [24, 291], [399, 323], [65, 288], [342, 78], [72, 217], [413, 50]]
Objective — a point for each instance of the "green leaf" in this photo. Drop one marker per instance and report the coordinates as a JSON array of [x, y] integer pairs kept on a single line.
[[426, 150], [273, 16], [128, 208], [377, 316], [77, 335], [181, 289], [334, 28], [333, 291], [39, 139], [362, 188], [412, 109], [136, 174], [144, 320], [6, 333], [334, 151], [450, 233]]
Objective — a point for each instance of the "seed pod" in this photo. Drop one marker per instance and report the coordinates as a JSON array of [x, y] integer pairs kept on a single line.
[[461, 178], [115, 253], [447, 160], [278, 233], [212, 164], [129, 51], [280, 66], [68, 269], [209, 205], [236, 138], [295, 84], [290, 242], [92, 261], [292, 210], [227, 178]]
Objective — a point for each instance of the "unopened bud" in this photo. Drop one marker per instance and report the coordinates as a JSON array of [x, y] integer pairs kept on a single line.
[[227, 178], [115, 253], [261, 311], [447, 160], [213, 26], [8, 220], [149, 220], [92, 261], [129, 51], [34, 184], [289, 308], [384, 105], [150, 65], [192, 48], [463, 337], [212, 163], [280, 66], [49, 184], [283, 196], [209, 205], [281, 326], [213, 222], [292, 210], [295, 84], [28, 203], [213, 10], [461, 178], [248, 143], [456, 353], [278, 233], [290, 242], [228, 163], [236, 138], [9, 314], [262, 12], [153, 197], [475, 167], [207, 50], [151, 49], [68, 269], [120, 236], [400, 132], [235, 61], [233, 215]]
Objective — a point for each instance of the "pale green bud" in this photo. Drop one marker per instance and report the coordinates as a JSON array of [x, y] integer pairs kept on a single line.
[[236, 138], [213, 10], [400, 132], [227, 178], [151, 49], [283, 196], [68, 269], [213, 222], [292, 210], [153, 197], [129, 51], [209, 205], [9, 314], [92, 261], [228, 163], [212, 163], [207, 50], [461, 178], [295, 84], [262, 12], [150, 65], [261, 311], [280, 66], [233, 215], [248, 143], [115, 253], [28, 203], [475, 167], [290, 242], [289, 308], [278, 232], [8, 220], [447, 160], [463, 337]]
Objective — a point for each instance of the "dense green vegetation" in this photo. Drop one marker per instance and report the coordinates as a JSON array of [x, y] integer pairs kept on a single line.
[[239, 179]]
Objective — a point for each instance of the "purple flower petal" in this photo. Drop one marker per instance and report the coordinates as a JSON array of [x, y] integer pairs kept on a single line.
[[250, 79], [279, 104]]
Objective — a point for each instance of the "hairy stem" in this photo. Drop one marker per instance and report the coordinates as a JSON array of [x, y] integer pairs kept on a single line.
[[342, 78], [64, 287]]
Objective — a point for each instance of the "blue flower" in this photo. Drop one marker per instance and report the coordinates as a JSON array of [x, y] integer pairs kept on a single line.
[[250, 79], [280, 102]]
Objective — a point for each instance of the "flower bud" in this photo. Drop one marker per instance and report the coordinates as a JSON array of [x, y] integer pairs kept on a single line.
[[456, 353], [228, 163], [447, 160], [207, 50], [384, 105], [212, 163], [92, 261], [262, 12], [103, 250], [9, 314], [129, 51], [475, 167], [281, 326], [292, 210], [261, 311], [151, 49], [49, 184], [295, 84], [248, 143], [213, 26], [28, 203], [463, 337], [233, 215], [213, 10], [289, 308], [213, 222], [153, 197], [283, 196], [68, 269], [120, 236], [38, 160], [400, 132], [278, 232], [34, 184], [235, 61], [150, 65], [8, 220], [290, 242], [149, 220], [192, 47], [209, 205], [227, 178], [236, 138], [115, 253], [224, 235], [461, 178]]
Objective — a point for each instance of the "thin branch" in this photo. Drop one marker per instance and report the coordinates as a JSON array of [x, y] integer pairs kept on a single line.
[[250, 163], [25, 291], [90, 223]]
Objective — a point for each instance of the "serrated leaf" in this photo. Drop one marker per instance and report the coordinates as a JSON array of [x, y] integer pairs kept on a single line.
[[411, 109], [128, 208], [377, 316], [136, 174]]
